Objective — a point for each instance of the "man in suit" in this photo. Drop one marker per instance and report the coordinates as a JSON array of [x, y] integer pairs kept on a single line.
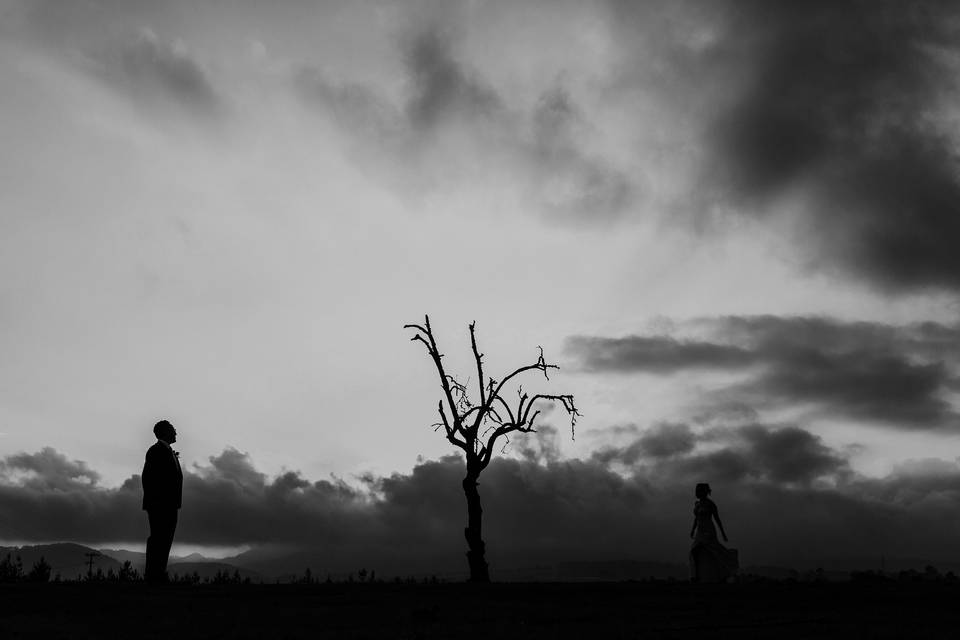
[[162, 495]]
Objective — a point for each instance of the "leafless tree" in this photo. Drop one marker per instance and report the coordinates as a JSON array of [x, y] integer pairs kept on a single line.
[[477, 427]]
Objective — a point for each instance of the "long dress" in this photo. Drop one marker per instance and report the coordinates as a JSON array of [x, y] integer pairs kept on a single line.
[[710, 561]]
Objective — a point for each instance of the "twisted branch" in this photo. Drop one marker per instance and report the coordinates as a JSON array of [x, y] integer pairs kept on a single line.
[[505, 419]]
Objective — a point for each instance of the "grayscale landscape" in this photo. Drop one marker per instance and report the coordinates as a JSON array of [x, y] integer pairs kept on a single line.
[[476, 318]]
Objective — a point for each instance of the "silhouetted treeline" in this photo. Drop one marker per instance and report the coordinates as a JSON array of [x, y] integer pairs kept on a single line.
[[929, 574], [363, 576], [11, 570], [308, 577], [220, 577]]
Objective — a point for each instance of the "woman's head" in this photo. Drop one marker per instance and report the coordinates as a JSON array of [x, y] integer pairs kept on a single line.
[[702, 490]]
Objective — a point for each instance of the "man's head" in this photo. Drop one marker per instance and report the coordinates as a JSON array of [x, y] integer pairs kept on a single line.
[[165, 431]]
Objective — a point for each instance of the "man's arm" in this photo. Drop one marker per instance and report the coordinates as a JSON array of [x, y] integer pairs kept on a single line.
[[152, 478], [147, 477]]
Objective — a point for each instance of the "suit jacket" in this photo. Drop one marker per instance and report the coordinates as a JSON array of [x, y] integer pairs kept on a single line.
[[162, 479]]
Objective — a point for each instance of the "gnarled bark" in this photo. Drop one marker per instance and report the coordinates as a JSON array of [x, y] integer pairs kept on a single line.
[[476, 549]]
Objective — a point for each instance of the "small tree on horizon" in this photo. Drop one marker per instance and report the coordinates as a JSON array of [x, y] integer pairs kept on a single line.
[[40, 571], [475, 428], [11, 570], [127, 573]]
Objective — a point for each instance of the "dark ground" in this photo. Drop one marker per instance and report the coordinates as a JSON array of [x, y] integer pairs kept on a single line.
[[540, 610]]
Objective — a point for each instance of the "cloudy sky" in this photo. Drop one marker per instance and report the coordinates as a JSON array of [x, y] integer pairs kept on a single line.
[[732, 224]]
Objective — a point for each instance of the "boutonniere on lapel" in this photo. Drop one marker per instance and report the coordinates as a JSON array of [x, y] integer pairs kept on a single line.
[[176, 454]]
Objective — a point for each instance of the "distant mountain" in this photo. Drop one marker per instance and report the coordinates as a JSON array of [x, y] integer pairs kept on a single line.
[[66, 558], [70, 561], [138, 558], [273, 562], [184, 565], [193, 557]]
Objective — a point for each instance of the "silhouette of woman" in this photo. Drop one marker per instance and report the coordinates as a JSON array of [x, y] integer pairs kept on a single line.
[[710, 561]]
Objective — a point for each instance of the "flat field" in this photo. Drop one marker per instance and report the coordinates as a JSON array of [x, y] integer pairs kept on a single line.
[[494, 612]]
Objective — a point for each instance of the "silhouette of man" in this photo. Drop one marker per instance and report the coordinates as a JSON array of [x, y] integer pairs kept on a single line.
[[162, 496]]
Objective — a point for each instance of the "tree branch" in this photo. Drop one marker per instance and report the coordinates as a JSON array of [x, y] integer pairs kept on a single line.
[[488, 448], [431, 345], [490, 412], [479, 359], [522, 420], [540, 365], [565, 400], [505, 406], [451, 433]]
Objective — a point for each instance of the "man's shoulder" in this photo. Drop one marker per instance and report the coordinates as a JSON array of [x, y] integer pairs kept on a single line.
[[155, 449]]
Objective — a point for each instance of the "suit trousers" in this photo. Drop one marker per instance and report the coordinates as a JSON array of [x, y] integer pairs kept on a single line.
[[163, 524]]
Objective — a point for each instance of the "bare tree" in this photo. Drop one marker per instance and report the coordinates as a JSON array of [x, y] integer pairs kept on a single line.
[[476, 427]]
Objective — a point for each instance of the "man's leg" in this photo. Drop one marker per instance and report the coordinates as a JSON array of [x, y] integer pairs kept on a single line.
[[163, 523], [163, 553], [150, 570]]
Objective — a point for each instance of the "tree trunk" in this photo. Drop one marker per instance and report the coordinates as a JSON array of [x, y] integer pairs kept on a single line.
[[476, 549]]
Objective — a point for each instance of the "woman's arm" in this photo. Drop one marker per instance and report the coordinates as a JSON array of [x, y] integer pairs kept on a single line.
[[693, 529], [716, 516]]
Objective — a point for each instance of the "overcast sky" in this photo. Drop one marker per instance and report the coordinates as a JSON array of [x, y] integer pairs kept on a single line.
[[733, 224]]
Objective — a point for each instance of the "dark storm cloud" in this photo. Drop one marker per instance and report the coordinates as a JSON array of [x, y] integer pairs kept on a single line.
[[45, 496], [752, 452], [111, 42], [451, 119], [354, 106], [441, 87], [778, 489], [933, 481], [659, 354], [49, 469], [667, 439], [844, 102], [572, 181], [839, 114], [865, 385], [898, 375], [153, 73], [229, 500], [790, 454], [662, 441]]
